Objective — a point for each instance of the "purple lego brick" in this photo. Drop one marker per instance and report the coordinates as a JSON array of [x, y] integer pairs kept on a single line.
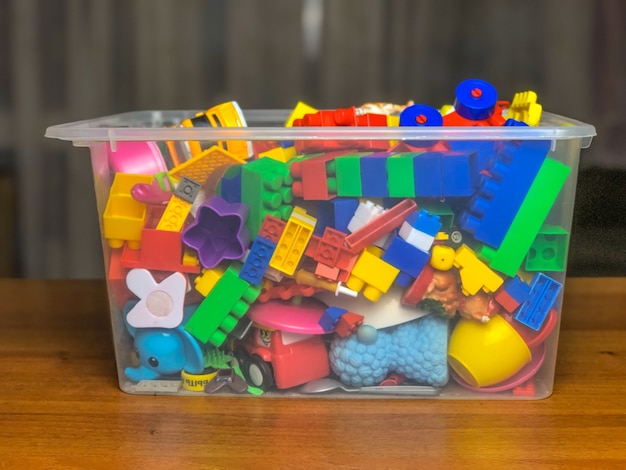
[[219, 232], [493, 208]]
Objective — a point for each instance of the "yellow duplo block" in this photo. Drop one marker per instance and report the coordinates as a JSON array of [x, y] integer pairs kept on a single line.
[[279, 153], [175, 214], [372, 274], [525, 108], [298, 112], [201, 166], [207, 280], [190, 257], [475, 274], [293, 241]]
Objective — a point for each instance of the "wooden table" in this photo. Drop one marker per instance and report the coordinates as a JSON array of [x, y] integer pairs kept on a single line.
[[60, 406]]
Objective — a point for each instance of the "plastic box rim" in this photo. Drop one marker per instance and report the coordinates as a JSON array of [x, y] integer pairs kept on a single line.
[[131, 126]]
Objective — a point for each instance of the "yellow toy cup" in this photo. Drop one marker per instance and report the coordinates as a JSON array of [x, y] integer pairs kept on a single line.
[[484, 354]]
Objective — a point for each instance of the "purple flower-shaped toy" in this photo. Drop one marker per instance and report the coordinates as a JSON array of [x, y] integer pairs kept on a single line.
[[219, 231]]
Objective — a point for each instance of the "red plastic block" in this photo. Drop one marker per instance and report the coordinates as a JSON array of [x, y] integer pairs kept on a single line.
[[272, 228], [116, 276], [314, 178], [381, 225], [506, 300], [286, 290], [416, 292], [160, 250], [348, 324]]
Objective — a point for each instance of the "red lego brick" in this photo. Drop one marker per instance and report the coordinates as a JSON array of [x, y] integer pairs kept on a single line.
[[116, 276], [379, 226], [414, 294], [527, 389], [272, 228], [348, 324], [314, 178], [505, 299], [287, 289]]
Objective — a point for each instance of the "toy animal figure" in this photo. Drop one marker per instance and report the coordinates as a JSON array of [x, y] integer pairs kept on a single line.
[[163, 351]]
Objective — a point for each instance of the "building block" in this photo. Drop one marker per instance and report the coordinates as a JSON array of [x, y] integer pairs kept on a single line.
[[380, 226], [400, 175], [220, 311], [348, 324], [298, 112], [330, 318], [218, 232], [207, 280], [124, 217], [282, 154], [549, 250], [415, 293], [258, 260], [529, 219], [202, 165], [427, 175], [116, 280], [407, 258], [160, 304], [266, 189], [160, 250], [229, 186], [271, 228], [543, 293], [330, 250], [419, 229], [314, 178], [492, 210], [456, 174], [343, 210], [441, 209], [365, 212], [371, 274], [524, 107], [512, 294], [286, 290], [475, 274], [346, 168], [293, 241], [374, 175], [179, 205]]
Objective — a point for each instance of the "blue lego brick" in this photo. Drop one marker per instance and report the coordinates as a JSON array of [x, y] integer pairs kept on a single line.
[[374, 175], [493, 208], [405, 257], [230, 185], [423, 221], [512, 122], [330, 317], [344, 209], [258, 260], [543, 293], [517, 289], [456, 174], [479, 153], [325, 217], [427, 173]]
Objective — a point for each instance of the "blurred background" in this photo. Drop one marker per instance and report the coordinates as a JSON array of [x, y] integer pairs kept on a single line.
[[77, 59]]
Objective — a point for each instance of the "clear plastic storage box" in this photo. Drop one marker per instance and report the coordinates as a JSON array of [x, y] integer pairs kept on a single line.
[[333, 260]]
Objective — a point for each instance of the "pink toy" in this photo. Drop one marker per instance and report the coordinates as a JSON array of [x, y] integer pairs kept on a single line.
[[139, 158], [301, 318]]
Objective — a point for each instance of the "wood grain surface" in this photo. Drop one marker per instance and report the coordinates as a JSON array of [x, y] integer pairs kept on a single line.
[[60, 405]]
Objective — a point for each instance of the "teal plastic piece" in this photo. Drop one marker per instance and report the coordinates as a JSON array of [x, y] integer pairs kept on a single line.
[[527, 223], [549, 250]]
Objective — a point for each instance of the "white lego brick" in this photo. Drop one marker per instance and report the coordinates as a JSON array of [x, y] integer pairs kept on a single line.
[[416, 238]]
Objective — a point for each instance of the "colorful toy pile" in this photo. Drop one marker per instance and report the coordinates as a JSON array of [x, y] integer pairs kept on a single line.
[[410, 267]]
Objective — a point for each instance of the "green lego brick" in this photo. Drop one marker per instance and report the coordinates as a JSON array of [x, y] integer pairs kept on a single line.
[[348, 174], [222, 308], [266, 189], [400, 175], [526, 225], [549, 250]]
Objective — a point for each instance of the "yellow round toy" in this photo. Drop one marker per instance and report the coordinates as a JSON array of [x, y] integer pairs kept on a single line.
[[484, 354], [442, 257]]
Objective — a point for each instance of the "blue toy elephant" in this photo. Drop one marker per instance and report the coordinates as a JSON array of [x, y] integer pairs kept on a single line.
[[164, 351]]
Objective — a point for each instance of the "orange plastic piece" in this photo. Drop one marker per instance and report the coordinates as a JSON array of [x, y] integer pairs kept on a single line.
[[202, 165]]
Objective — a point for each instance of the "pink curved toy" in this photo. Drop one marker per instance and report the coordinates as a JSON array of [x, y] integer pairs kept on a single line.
[[283, 315], [527, 372], [139, 158]]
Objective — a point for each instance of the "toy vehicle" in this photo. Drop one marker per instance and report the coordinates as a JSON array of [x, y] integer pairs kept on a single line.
[[227, 114], [284, 358]]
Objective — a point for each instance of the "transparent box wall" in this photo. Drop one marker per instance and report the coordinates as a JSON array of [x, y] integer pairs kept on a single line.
[[346, 262]]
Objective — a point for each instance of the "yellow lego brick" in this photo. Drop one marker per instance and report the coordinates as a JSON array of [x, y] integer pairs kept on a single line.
[[190, 257], [123, 216], [298, 112], [200, 167], [175, 214], [525, 108], [279, 153], [293, 241], [206, 281], [475, 274], [393, 121], [372, 274]]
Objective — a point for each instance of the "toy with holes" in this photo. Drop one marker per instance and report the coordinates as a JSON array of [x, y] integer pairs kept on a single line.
[[179, 205], [124, 217], [266, 189], [293, 241], [220, 311]]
